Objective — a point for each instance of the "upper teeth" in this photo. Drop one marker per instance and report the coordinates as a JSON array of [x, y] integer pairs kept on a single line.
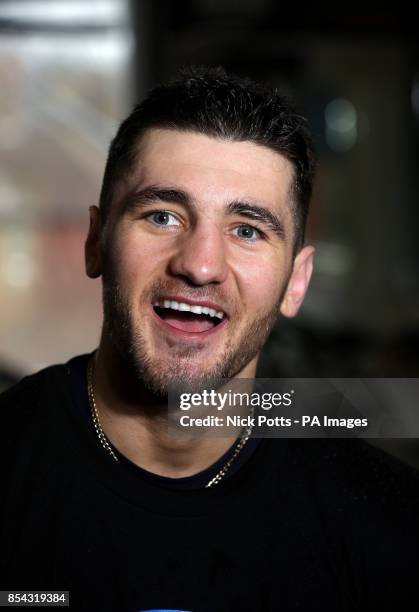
[[189, 307]]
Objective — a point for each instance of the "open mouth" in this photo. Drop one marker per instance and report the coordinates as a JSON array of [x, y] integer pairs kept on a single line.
[[192, 318]]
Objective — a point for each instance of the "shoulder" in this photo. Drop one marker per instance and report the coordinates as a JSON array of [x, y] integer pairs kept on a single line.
[[34, 415], [369, 502], [26, 409], [34, 395], [354, 467], [32, 388], [348, 480]]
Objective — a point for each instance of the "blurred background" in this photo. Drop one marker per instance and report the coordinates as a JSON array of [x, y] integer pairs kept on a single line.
[[71, 70]]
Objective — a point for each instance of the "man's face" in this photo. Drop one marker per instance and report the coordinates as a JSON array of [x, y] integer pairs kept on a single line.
[[197, 259]]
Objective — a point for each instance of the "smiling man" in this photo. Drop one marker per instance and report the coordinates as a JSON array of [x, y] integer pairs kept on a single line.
[[188, 235], [199, 240]]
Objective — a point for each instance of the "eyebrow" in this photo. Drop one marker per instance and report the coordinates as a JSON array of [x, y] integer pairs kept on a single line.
[[154, 193], [247, 209], [259, 213]]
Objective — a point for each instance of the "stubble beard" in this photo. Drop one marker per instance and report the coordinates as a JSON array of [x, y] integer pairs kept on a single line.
[[182, 369]]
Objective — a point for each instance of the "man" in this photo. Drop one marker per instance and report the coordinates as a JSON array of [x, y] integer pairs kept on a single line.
[[199, 239]]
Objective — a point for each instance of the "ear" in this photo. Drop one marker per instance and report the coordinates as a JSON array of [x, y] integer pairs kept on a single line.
[[92, 251], [298, 282]]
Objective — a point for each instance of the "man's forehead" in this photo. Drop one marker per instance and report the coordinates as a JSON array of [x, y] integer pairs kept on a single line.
[[212, 166], [194, 148]]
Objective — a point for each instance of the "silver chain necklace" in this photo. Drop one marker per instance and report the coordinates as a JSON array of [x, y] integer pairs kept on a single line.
[[106, 445]]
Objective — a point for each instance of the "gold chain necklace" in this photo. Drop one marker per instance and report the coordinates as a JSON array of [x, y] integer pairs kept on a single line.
[[106, 445]]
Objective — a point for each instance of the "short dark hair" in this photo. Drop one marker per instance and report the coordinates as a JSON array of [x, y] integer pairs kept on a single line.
[[209, 101]]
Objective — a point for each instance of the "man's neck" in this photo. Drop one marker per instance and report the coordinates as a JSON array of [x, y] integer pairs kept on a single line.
[[136, 424]]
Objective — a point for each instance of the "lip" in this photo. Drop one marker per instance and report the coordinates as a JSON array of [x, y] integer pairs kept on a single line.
[[185, 335], [185, 300]]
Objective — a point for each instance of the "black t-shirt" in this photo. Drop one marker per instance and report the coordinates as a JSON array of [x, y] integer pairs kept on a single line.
[[302, 525]]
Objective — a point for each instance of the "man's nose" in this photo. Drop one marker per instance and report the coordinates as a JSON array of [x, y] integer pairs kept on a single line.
[[200, 257]]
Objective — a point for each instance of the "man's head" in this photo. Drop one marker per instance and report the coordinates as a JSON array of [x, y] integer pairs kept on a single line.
[[234, 109], [203, 206]]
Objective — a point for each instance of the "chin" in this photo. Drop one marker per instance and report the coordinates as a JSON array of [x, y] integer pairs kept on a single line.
[[160, 376]]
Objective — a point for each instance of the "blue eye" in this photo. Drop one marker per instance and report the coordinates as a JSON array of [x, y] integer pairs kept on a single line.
[[162, 217], [247, 232]]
